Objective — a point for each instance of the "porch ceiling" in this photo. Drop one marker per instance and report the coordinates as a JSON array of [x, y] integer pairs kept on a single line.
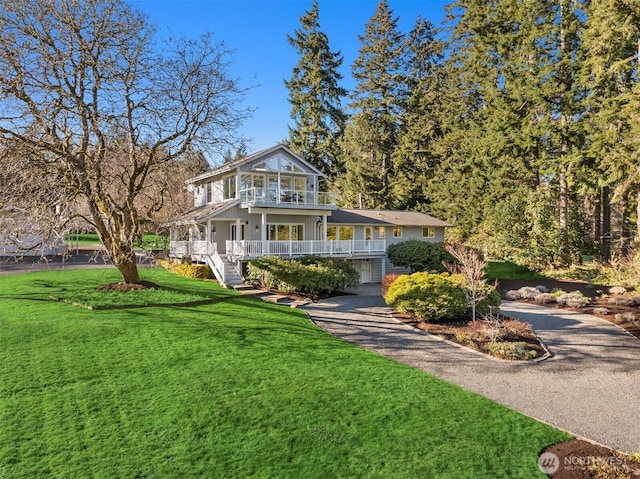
[[202, 213]]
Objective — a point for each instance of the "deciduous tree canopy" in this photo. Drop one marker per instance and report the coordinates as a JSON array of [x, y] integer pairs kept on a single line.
[[100, 107]]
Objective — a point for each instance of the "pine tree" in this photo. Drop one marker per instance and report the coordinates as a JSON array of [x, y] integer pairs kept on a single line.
[[315, 95], [414, 159], [610, 74], [378, 102]]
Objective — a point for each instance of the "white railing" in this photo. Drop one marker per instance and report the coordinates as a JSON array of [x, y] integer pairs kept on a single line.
[[216, 264], [254, 249], [195, 249], [253, 196], [179, 249]]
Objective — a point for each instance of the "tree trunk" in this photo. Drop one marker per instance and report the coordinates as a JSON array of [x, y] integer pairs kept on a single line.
[[624, 227], [124, 258], [564, 218], [597, 226], [638, 197], [605, 238]]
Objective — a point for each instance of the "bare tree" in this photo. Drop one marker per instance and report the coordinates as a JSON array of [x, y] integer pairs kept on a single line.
[[100, 107], [471, 266]]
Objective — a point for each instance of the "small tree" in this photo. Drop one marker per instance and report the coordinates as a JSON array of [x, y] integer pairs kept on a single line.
[[471, 266]]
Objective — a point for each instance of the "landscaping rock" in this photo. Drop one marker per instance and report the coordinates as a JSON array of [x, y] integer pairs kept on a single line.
[[621, 300], [513, 295], [545, 298], [528, 292], [617, 290], [572, 300]]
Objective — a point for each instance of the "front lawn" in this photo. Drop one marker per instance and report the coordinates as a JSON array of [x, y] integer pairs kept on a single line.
[[233, 388]]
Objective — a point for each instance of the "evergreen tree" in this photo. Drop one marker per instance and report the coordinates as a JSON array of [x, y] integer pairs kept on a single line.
[[610, 75], [378, 102], [315, 95], [414, 159]]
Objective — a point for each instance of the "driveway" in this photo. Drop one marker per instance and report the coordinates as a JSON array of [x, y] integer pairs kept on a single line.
[[589, 387]]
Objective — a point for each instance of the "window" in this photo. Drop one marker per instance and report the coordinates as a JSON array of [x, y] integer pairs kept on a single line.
[[381, 231], [229, 187], [345, 233], [397, 232], [284, 232], [209, 188], [429, 232], [339, 233]]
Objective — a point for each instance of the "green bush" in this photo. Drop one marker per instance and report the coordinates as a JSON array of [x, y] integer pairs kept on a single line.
[[197, 271], [432, 297], [307, 275], [428, 296], [418, 255]]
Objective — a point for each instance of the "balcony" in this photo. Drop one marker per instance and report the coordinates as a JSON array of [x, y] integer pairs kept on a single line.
[[269, 197], [241, 250]]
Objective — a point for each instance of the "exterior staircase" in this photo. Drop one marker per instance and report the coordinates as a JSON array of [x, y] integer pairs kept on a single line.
[[224, 271], [231, 276]]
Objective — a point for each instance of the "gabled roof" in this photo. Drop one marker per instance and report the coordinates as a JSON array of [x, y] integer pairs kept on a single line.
[[232, 165], [202, 213], [384, 217]]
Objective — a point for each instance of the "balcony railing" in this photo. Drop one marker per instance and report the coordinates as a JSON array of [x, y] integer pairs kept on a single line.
[[268, 196], [255, 249]]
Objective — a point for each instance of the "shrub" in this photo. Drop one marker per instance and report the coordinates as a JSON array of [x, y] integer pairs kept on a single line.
[[431, 297], [308, 275], [509, 350], [197, 271], [428, 296], [388, 281], [418, 255]]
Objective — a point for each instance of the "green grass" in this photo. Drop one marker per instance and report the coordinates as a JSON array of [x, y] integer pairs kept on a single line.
[[149, 241], [235, 388], [507, 270]]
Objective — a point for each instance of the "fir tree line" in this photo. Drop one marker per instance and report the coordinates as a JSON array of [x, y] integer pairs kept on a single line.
[[518, 122]]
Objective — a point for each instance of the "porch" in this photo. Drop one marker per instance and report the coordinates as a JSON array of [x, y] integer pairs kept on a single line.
[[249, 249], [243, 250]]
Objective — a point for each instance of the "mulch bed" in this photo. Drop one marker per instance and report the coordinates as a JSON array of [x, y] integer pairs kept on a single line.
[[453, 330], [580, 459]]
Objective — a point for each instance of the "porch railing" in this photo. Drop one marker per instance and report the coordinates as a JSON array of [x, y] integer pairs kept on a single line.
[[254, 249], [253, 196], [195, 249]]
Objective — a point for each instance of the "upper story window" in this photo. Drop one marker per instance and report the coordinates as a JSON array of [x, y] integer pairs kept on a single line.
[[397, 232], [229, 187], [429, 232], [278, 163], [209, 188], [381, 232]]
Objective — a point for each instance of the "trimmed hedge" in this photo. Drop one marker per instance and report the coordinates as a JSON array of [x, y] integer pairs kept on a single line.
[[432, 297], [307, 275], [419, 255]]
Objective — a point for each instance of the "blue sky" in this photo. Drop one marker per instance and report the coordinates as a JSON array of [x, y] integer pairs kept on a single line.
[[257, 31]]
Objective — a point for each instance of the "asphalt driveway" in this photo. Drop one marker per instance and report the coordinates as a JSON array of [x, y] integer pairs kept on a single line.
[[589, 387]]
